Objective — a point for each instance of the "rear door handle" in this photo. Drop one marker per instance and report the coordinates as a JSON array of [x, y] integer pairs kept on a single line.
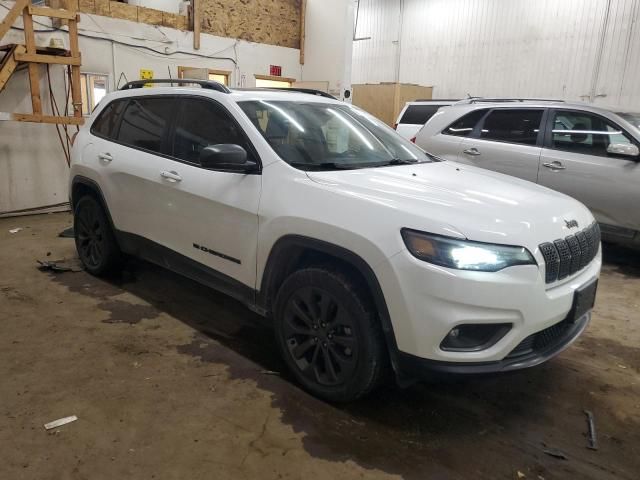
[[472, 151], [105, 157], [555, 165], [171, 176]]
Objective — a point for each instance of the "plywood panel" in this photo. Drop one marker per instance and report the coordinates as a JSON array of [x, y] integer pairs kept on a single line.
[[171, 20], [87, 6], [275, 22], [123, 11], [102, 7], [150, 16], [377, 99]]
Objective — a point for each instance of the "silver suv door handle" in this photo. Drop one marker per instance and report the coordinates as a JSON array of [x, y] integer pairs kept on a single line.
[[555, 165], [105, 157], [472, 151], [172, 176]]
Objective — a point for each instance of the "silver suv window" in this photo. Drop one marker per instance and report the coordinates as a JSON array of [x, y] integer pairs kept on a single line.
[[512, 126]]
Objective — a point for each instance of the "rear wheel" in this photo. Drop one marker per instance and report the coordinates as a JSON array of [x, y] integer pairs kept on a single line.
[[95, 241], [329, 335]]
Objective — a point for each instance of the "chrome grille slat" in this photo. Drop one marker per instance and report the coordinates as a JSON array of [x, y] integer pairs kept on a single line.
[[564, 257]]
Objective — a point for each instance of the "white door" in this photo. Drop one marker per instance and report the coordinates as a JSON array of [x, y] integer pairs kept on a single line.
[[582, 159], [506, 141]]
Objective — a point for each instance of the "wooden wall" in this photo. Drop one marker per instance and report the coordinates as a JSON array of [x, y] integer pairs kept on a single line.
[[385, 100], [275, 22]]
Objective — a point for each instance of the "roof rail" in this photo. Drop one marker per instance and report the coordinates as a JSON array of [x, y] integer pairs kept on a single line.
[[310, 91], [436, 100], [208, 84], [471, 100]]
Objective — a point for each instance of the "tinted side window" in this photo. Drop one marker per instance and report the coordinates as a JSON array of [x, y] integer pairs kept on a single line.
[[513, 126], [465, 125], [145, 122], [419, 114], [106, 124], [202, 123], [581, 132]]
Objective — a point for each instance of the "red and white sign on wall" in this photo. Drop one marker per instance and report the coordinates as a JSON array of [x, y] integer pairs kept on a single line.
[[275, 70]]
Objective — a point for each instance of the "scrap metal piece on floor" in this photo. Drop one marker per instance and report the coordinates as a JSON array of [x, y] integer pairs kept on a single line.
[[554, 452], [59, 266], [60, 422], [67, 233], [593, 439]]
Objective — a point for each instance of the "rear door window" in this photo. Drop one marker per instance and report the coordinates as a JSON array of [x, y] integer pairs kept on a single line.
[[106, 125], [512, 126], [145, 123], [463, 127], [419, 114]]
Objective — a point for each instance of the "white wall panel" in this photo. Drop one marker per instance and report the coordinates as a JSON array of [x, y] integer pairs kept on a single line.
[[528, 48]]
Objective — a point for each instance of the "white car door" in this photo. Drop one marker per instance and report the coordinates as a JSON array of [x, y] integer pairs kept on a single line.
[[592, 159], [507, 140]]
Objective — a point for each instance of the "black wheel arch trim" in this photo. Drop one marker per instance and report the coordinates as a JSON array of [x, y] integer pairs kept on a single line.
[[277, 260], [95, 188]]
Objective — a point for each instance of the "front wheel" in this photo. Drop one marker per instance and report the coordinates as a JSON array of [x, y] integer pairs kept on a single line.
[[329, 334]]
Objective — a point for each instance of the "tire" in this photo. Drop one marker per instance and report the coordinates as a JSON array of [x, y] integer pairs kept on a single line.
[[329, 335], [95, 240]]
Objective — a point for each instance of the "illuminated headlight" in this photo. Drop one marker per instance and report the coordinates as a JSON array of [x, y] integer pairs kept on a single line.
[[464, 254]]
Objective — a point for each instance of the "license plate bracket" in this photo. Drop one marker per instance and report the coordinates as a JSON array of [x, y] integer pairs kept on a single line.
[[584, 299]]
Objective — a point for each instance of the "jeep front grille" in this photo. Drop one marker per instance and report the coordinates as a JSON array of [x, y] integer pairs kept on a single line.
[[564, 257]]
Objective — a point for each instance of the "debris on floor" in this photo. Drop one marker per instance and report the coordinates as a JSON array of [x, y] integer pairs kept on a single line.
[[593, 439], [554, 452], [59, 266], [67, 233], [60, 422], [15, 230]]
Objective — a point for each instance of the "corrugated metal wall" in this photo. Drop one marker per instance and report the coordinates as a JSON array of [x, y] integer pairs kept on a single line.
[[571, 49]]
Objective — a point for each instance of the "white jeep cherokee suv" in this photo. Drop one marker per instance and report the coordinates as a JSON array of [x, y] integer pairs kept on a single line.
[[365, 251]]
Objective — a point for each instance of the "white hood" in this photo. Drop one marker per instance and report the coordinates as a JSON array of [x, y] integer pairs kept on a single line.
[[466, 201]]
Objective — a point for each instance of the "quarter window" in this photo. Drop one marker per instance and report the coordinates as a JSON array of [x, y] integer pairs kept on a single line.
[[107, 123], [202, 123], [512, 126], [465, 125], [145, 122], [581, 132]]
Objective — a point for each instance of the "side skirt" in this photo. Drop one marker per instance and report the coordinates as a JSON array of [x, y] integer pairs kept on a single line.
[[140, 247]]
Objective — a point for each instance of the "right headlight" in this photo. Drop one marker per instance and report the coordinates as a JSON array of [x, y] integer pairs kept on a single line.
[[464, 254]]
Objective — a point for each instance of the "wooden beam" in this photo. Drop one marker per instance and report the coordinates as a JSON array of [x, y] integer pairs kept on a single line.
[[9, 65], [34, 70], [55, 59], [303, 14], [52, 12], [12, 15], [76, 94], [197, 22], [27, 117]]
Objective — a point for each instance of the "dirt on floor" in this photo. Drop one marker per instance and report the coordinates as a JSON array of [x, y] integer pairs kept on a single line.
[[171, 380]]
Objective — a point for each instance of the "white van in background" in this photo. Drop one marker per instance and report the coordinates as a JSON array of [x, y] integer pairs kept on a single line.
[[415, 114]]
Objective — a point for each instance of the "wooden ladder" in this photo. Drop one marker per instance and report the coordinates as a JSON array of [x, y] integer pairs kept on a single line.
[[34, 56]]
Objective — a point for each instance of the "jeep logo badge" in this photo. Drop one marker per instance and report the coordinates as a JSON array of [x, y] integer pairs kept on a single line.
[[571, 223]]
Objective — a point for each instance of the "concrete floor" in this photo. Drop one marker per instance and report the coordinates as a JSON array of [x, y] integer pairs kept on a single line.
[[171, 380]]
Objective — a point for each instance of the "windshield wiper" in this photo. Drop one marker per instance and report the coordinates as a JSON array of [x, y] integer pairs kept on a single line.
[[323, 166], [396, 161]]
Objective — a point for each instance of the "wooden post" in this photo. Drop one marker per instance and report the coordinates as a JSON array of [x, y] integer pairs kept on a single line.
[[197, 22], [303, 14], [76, 93], [12, 15], [34, 69]]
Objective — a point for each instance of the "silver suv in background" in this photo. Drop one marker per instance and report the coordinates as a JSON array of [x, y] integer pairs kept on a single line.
[[587, 152], [415, 114]]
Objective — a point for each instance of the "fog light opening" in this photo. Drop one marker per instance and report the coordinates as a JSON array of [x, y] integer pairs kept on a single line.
[[474, 337]]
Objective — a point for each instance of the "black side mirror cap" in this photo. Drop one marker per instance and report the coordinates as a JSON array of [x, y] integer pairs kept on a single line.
[[226, 156]]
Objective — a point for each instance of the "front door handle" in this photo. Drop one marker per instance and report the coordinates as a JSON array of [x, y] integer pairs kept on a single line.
[[472, 151], [105, 157], [555, 165], [171, 176]]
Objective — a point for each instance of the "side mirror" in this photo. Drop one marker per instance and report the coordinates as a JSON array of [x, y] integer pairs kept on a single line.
[[626, 149], [226, 156]]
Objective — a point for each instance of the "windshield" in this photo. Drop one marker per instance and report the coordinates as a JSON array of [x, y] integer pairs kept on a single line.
[[319, 136], [632, 118]]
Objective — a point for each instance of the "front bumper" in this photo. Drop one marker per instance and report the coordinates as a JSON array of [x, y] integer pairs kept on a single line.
[[426, 301], [563, 334]]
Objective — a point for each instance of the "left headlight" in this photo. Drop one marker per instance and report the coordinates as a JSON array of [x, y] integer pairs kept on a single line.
[[464, 254]]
